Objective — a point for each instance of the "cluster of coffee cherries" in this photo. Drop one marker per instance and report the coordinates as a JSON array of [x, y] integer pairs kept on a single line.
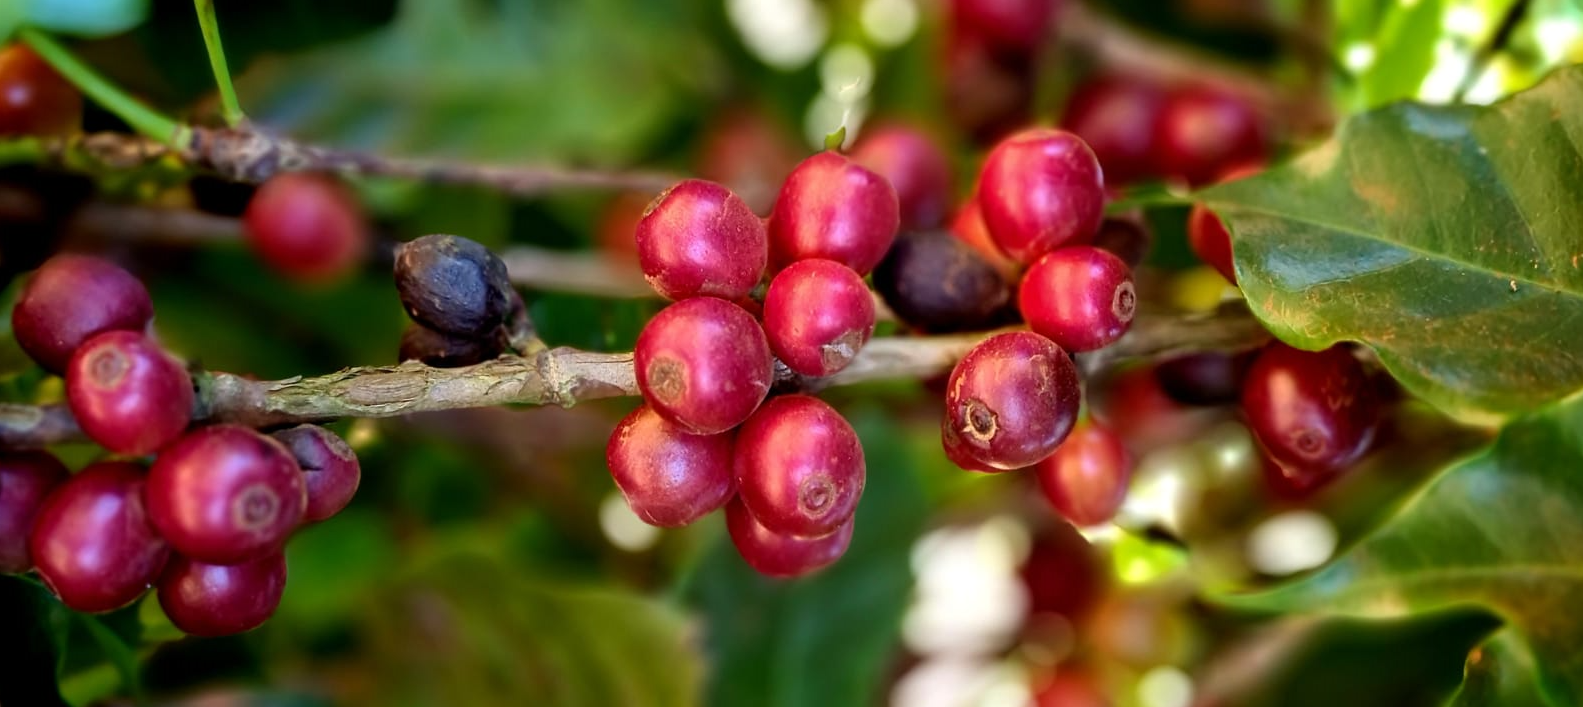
[[788, 470], [206, 522]]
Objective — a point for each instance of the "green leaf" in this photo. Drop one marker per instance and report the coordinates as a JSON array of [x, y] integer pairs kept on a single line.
[[1498, 530], [120, 654], [468, 627], [1443, 237], [824, 640], [1499, 674], [498, 81], [1404, 52]]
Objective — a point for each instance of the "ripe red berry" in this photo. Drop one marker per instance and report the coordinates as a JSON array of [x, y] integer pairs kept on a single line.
[[221, 600], [226, 494], [34, 98], [70, 299], [1017, 27], [833, 208], [1041, 189], [329, 468], [776, 555], [1313, 412], [26, 478], [306, 226], [1116, 116], [1080, 297], [698, 238], [704, 364], [1070, 688], [818, 314], [670, 477], [1013, 399], [1086, 479], [935, 282], [1210, 241], [1205, 133], [959, 454], [917, 169], [127, 393], [749, 151], [92, 543], [799, 466], [1063, 573]]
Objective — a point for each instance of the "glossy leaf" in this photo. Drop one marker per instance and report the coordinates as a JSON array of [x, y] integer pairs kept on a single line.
[[1404, 52], [1499, 674], [1443, 237], [1498, 530], [826, 639]]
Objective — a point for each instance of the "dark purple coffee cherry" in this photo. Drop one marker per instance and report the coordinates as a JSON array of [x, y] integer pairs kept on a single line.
[[1081, 297], [453, 285], [221, 600], [670, 477], [1314, 412], [1039, 190], [699, 239], [784, 556], [1125, 239], [830, 207], [1204, 377], [92, 543], [1086, 479], [936, 282], [26, 479], [799, 466], [329, 468], [127, 393], [72, 298], [442, 350], [226, 494], [704, 364], [1013, 399], [817, 315]]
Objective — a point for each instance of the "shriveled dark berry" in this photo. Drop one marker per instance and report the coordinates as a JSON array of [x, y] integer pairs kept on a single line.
[[442, 350], [452, 284], [935, 282]]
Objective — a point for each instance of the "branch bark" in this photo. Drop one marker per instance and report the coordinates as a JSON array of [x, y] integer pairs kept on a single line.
[[567, 377]]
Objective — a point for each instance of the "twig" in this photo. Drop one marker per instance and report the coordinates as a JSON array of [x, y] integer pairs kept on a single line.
[[567, 377], [247, 155]]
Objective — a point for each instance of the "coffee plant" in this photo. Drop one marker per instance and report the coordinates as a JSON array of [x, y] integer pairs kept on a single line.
[[1060, 353]]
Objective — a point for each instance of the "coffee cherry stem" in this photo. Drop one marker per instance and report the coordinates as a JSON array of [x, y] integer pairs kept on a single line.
[[565, 376]]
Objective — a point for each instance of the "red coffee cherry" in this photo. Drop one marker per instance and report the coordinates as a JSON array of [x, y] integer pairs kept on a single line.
[[221, 600], [1205, 132], [1117, 116], [915, 166], [1082, 298], [833, 208], [226, 495], [698, 238], [799, 466], [1013, 399], [1086, 479], [1041, 189], [34, 98], [817, 315], [26, 479], [92, 543], [127, 393], [1210, 241], [329, 469], [703, 363], [776, 555], [70, 299], [306, 226], [1314, 412], [669, 476]]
